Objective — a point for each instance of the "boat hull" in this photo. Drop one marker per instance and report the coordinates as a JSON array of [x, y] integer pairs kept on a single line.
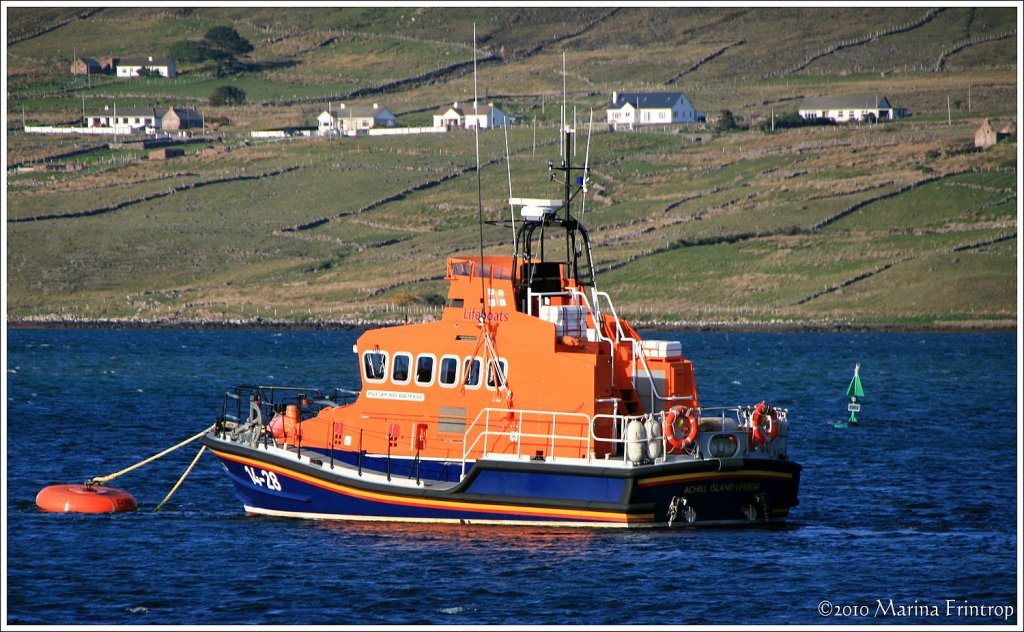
[[677, 493]]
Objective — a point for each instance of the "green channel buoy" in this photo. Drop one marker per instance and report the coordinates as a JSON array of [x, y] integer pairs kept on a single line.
[[854, 391]]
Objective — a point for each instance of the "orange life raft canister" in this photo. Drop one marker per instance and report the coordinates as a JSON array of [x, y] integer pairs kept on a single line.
[[84, 499]]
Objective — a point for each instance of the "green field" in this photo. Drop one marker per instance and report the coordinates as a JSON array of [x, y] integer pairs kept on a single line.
[[901, 223]]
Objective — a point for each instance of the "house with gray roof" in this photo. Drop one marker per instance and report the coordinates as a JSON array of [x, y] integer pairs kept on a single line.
[[353, 119], [142, 118], [468, 116], [128, 67], [850, 108], [636, 109]]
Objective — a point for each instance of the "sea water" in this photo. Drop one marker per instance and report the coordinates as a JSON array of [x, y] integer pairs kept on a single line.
[[909, 518]]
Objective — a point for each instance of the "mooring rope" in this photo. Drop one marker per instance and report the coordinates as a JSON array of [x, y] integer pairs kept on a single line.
[[110, 477], [182, 479]]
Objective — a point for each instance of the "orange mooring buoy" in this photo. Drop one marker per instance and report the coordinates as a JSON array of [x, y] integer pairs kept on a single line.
[[84, 499]]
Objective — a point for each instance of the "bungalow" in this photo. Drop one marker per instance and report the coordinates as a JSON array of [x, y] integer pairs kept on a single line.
[[140, 118], [133, 67], [851, 108], [635, 109], [350, 120], [468, 117]]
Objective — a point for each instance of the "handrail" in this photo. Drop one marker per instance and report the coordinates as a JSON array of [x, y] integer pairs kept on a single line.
[[637, 353], [515, 434], [474, 435], [578, 297]]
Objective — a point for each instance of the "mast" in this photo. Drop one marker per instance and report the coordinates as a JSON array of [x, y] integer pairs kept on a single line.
[[479, 193], [531, 269]]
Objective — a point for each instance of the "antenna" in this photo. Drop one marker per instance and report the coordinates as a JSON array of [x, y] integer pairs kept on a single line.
[[586, 165], [565, 146], [583, 210], [479, 194], [511, 209], [574, 128]]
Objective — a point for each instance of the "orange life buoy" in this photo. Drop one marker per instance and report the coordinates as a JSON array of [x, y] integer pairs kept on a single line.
[[84, 499], [692, 422], [764, 413]]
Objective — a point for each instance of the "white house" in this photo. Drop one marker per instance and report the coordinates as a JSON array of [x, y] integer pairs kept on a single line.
[[850, 108], [132, 67], [636, 109], [140, 118], [466, 116], [351, 120]]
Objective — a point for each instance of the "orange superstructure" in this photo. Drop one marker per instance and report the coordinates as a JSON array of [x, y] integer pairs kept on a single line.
[[499, 348]]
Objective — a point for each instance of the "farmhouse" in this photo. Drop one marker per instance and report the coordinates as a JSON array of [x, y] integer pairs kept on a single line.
[[139, 118], [850, 108], [175, 119], [351, 120], [133, 67], [635, 109], [86, 66], [467, 116]]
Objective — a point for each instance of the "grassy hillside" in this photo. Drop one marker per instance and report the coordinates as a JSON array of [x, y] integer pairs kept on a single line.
[[898, 223]]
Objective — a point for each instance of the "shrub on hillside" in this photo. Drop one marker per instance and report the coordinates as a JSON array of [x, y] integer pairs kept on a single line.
[[227, 95], [221, 45], [789, 120], [725, 122]]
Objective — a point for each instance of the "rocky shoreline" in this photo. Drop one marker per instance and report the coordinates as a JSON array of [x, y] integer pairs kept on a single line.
[[256, 323]]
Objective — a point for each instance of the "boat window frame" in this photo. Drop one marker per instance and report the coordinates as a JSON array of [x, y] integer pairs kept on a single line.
[[433, 367], [440, 372], [408, 368], [466, 363], [491, 384], [384, 367]]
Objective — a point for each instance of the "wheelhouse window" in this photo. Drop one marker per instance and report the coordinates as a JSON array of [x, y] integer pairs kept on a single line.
[[400, 365], [425, 369], [494, 379], [471, 370], [375, 365], [448, 373]]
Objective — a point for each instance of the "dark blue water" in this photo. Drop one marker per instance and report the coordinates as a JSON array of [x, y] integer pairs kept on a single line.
[[910, 518]]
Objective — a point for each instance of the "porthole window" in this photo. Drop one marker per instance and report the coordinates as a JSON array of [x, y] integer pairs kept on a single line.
[[448, 373], [425, 369], [400, 365], [375, 365]]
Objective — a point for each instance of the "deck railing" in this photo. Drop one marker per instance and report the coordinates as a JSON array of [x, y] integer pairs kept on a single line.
[[503, 423], [491, 425]]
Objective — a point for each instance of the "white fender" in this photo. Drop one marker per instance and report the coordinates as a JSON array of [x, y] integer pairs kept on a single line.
[[654, 443], [636, 437]]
